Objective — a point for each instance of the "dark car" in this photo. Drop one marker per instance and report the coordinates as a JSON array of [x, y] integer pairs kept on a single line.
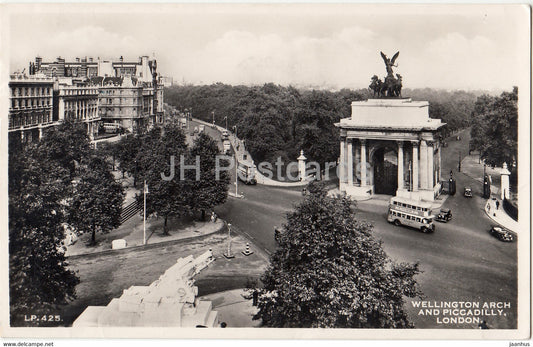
[[501, 234], [468, 192], [445, 215]]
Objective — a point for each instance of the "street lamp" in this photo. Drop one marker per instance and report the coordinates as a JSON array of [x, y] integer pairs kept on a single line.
[[459, 166], [213, 113], [226, 118], [235, 131], [145, 191]]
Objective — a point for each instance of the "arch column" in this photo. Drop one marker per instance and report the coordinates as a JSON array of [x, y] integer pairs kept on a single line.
[[423, 165], [400, 165], [350, 162], [363, 162], [342, 162], [439, 177], [415, 166], [431, 169]]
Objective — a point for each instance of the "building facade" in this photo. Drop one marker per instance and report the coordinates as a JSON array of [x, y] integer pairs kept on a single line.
[[127, 95], [88, 67], [30, 107], [79, 103], [38, 102], [130, 103], [390, 146]]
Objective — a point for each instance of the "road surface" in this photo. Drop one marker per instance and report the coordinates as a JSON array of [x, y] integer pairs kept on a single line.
[[461, 261]]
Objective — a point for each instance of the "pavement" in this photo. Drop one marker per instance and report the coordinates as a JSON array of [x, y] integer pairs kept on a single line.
[[133, 233], [473, 168]]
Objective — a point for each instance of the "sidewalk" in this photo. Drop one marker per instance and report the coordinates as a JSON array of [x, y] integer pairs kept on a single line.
[[499, 215], [471, 167], [132, 232]]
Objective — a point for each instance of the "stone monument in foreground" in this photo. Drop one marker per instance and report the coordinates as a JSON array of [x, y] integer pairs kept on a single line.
[[389, 145], [170, 301]]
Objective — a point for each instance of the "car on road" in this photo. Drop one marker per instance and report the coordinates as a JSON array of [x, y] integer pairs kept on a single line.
[[468, 192], [445, 215], [501, 234]]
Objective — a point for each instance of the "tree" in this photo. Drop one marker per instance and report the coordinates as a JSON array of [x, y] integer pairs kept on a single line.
[[66, 144], [96, 202], [208, 190], [166, 197], [126, 152], [495, 129], [39, 277], [329, 271]]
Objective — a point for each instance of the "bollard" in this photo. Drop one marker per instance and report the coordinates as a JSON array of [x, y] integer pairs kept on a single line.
[[247, 251]]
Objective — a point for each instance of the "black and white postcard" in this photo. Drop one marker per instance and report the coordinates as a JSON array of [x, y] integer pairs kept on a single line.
[[265, 171]]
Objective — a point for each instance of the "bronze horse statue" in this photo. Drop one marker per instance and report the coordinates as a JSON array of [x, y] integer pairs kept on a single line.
[[376, 86], [398, 86], [392, 87]]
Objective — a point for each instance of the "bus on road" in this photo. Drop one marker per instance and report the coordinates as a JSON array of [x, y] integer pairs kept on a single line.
[[411, 213], [246, 172]]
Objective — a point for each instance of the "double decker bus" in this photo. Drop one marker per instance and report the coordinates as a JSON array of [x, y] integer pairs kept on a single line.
[[246, 172], [413, 213]]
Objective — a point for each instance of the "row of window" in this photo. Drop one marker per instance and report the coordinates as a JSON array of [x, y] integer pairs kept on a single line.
[[29, 119], [16, 103], [116, 109], [412, 207], [81, 91], [30, 91], [81, 103], [408, 217], [119, 101], [119, 91]]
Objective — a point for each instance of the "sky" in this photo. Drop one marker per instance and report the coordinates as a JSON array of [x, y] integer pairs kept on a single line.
[[321, 45]]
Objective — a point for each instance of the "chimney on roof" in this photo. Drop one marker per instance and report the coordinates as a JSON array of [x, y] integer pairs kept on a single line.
[[77, 60], [91, 59], [121, 58]]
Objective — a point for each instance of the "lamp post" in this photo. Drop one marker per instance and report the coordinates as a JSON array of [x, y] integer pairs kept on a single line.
[[226, 118], [235, 130], [213, 113], [459, 166], [145, 191]]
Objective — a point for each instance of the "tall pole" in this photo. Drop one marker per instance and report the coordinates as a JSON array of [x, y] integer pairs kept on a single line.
[[226, 118], [213, 117], [144, 214]]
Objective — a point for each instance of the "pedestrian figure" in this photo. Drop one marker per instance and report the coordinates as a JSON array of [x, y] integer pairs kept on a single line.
[[497, 204], [214, 217]]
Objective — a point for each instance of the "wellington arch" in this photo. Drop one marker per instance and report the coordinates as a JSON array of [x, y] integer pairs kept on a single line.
[[390, 146]]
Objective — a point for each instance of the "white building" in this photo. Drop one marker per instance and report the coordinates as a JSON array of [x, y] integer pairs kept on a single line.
[[390, 146]]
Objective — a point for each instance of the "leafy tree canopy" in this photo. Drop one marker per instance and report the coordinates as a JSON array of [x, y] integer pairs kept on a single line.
[[495, 128], [38, 275], [329, 271]]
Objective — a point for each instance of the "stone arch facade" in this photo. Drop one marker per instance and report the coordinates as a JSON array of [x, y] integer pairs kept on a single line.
[[405, 128]]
